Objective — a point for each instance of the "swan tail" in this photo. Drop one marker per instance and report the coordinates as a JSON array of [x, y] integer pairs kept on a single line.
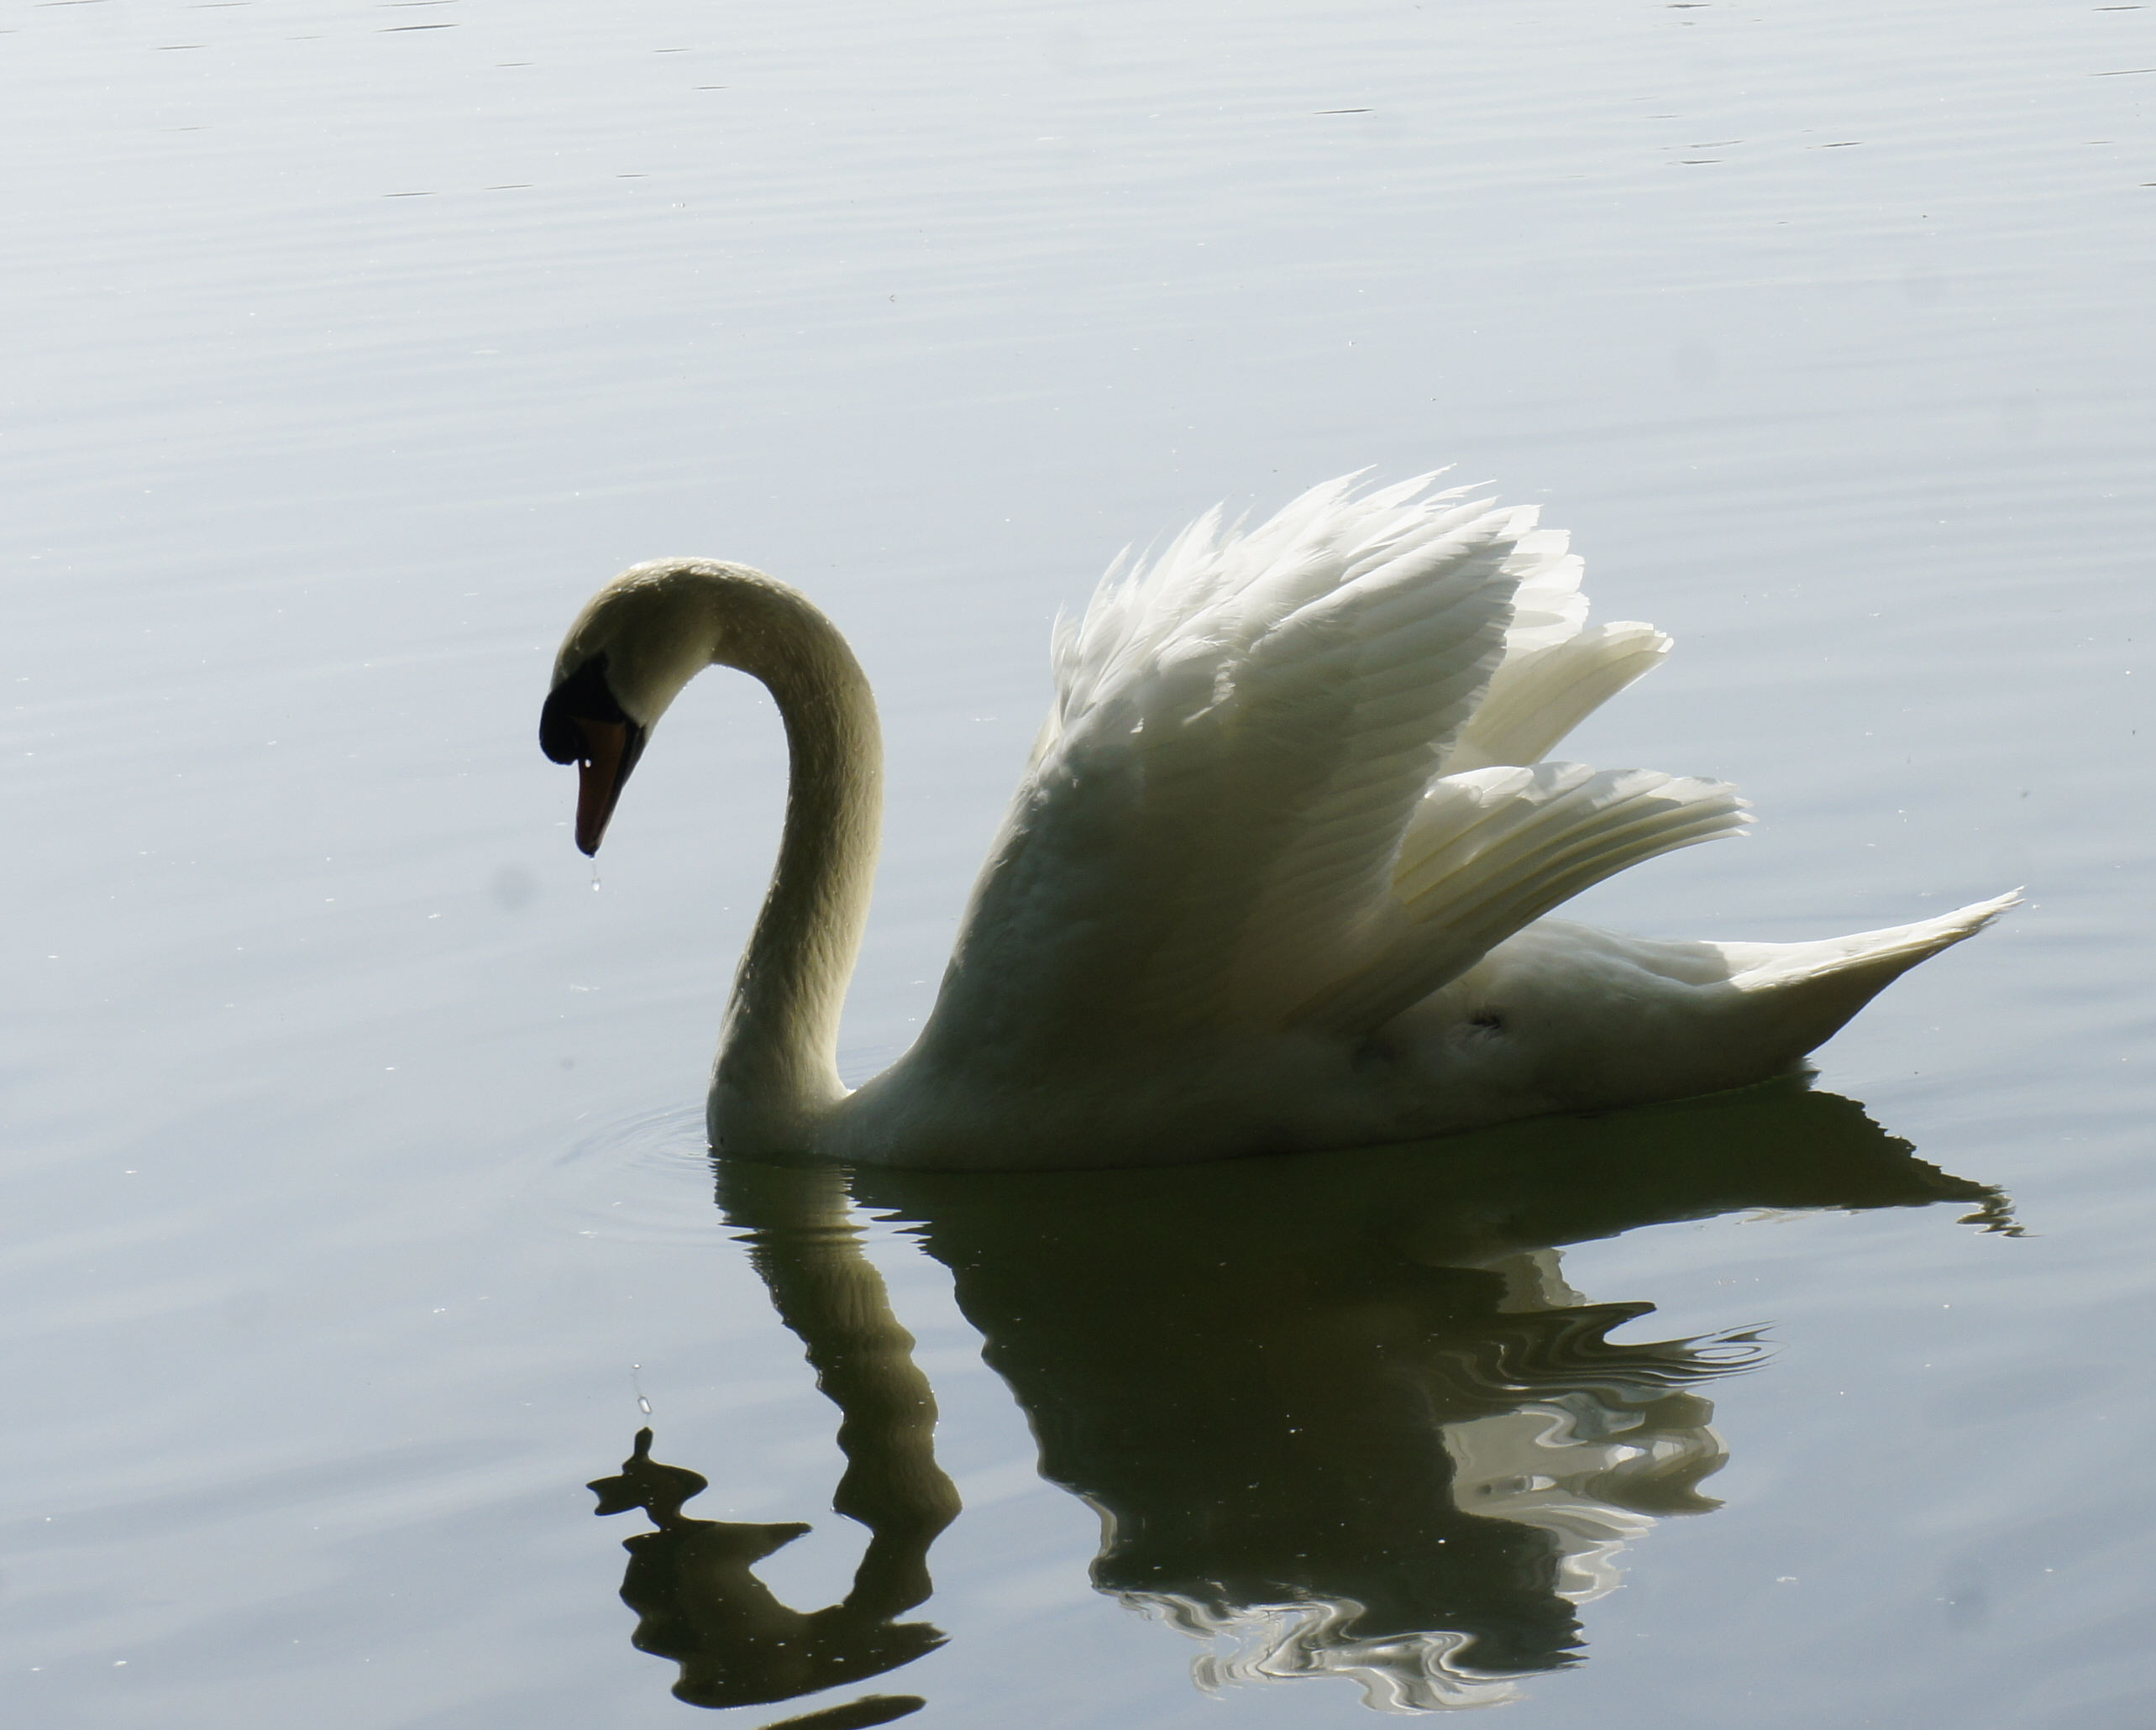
[[1806, 992], [1491, 850]]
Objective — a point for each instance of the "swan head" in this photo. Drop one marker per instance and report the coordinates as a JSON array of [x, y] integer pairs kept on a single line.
[[641, 637]]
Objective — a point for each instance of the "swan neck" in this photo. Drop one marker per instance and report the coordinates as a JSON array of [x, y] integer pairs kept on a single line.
[[777, 1065]]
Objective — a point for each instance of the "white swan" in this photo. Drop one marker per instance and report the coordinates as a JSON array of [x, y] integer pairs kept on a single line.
[[1274, 879]]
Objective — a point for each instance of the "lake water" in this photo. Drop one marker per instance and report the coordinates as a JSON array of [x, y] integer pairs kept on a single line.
[[357, 1215]]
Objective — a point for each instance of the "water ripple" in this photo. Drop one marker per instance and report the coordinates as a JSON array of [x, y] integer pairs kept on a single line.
[[642, 1177]]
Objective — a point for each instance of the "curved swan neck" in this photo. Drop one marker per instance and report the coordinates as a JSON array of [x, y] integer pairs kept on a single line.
[[778, 1062]]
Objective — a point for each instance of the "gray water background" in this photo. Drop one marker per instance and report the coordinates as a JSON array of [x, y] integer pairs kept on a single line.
[[350, 1135]]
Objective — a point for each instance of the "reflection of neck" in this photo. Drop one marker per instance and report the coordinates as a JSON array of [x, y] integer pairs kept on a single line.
[[834, 1300], [777, 1067]]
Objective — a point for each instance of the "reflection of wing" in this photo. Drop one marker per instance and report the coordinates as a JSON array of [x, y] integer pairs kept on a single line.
[[1590, 1466], [1424, 1671], [1231, 819]]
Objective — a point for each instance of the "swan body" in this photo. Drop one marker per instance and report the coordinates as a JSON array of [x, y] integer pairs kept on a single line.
[[1274, 879]]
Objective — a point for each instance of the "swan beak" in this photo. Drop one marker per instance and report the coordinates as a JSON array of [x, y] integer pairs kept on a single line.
[[611, 750]]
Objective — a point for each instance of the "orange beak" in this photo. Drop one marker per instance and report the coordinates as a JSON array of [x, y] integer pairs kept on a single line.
[[601, 771]]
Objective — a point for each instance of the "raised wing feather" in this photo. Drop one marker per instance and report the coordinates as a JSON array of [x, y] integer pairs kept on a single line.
[[1233, 778], [1492, 850], [1241, 732]]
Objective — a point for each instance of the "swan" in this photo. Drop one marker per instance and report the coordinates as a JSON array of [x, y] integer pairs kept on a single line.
[[1274, 879]]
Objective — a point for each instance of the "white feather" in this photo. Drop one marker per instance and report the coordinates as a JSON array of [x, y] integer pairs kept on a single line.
[[1232, 814]]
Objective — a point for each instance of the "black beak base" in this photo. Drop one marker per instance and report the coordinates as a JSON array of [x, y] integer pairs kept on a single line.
[[583, 723]]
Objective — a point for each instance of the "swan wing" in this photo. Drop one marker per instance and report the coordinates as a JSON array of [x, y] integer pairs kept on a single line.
[[1548, 685], [1490, 851], [1291, 776], [1242, 730]]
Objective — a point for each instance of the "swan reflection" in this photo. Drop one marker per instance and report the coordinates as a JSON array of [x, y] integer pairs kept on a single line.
[[1339, 1415], [692, 1582], [699, 1602]]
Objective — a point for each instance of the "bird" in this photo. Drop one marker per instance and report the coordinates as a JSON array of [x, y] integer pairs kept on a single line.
[[1276, 877]]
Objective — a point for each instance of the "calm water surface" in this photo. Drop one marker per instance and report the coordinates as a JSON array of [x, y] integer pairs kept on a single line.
[[358, 1217]]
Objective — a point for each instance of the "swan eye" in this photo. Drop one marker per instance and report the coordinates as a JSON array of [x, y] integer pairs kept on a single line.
[[584, 695]]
